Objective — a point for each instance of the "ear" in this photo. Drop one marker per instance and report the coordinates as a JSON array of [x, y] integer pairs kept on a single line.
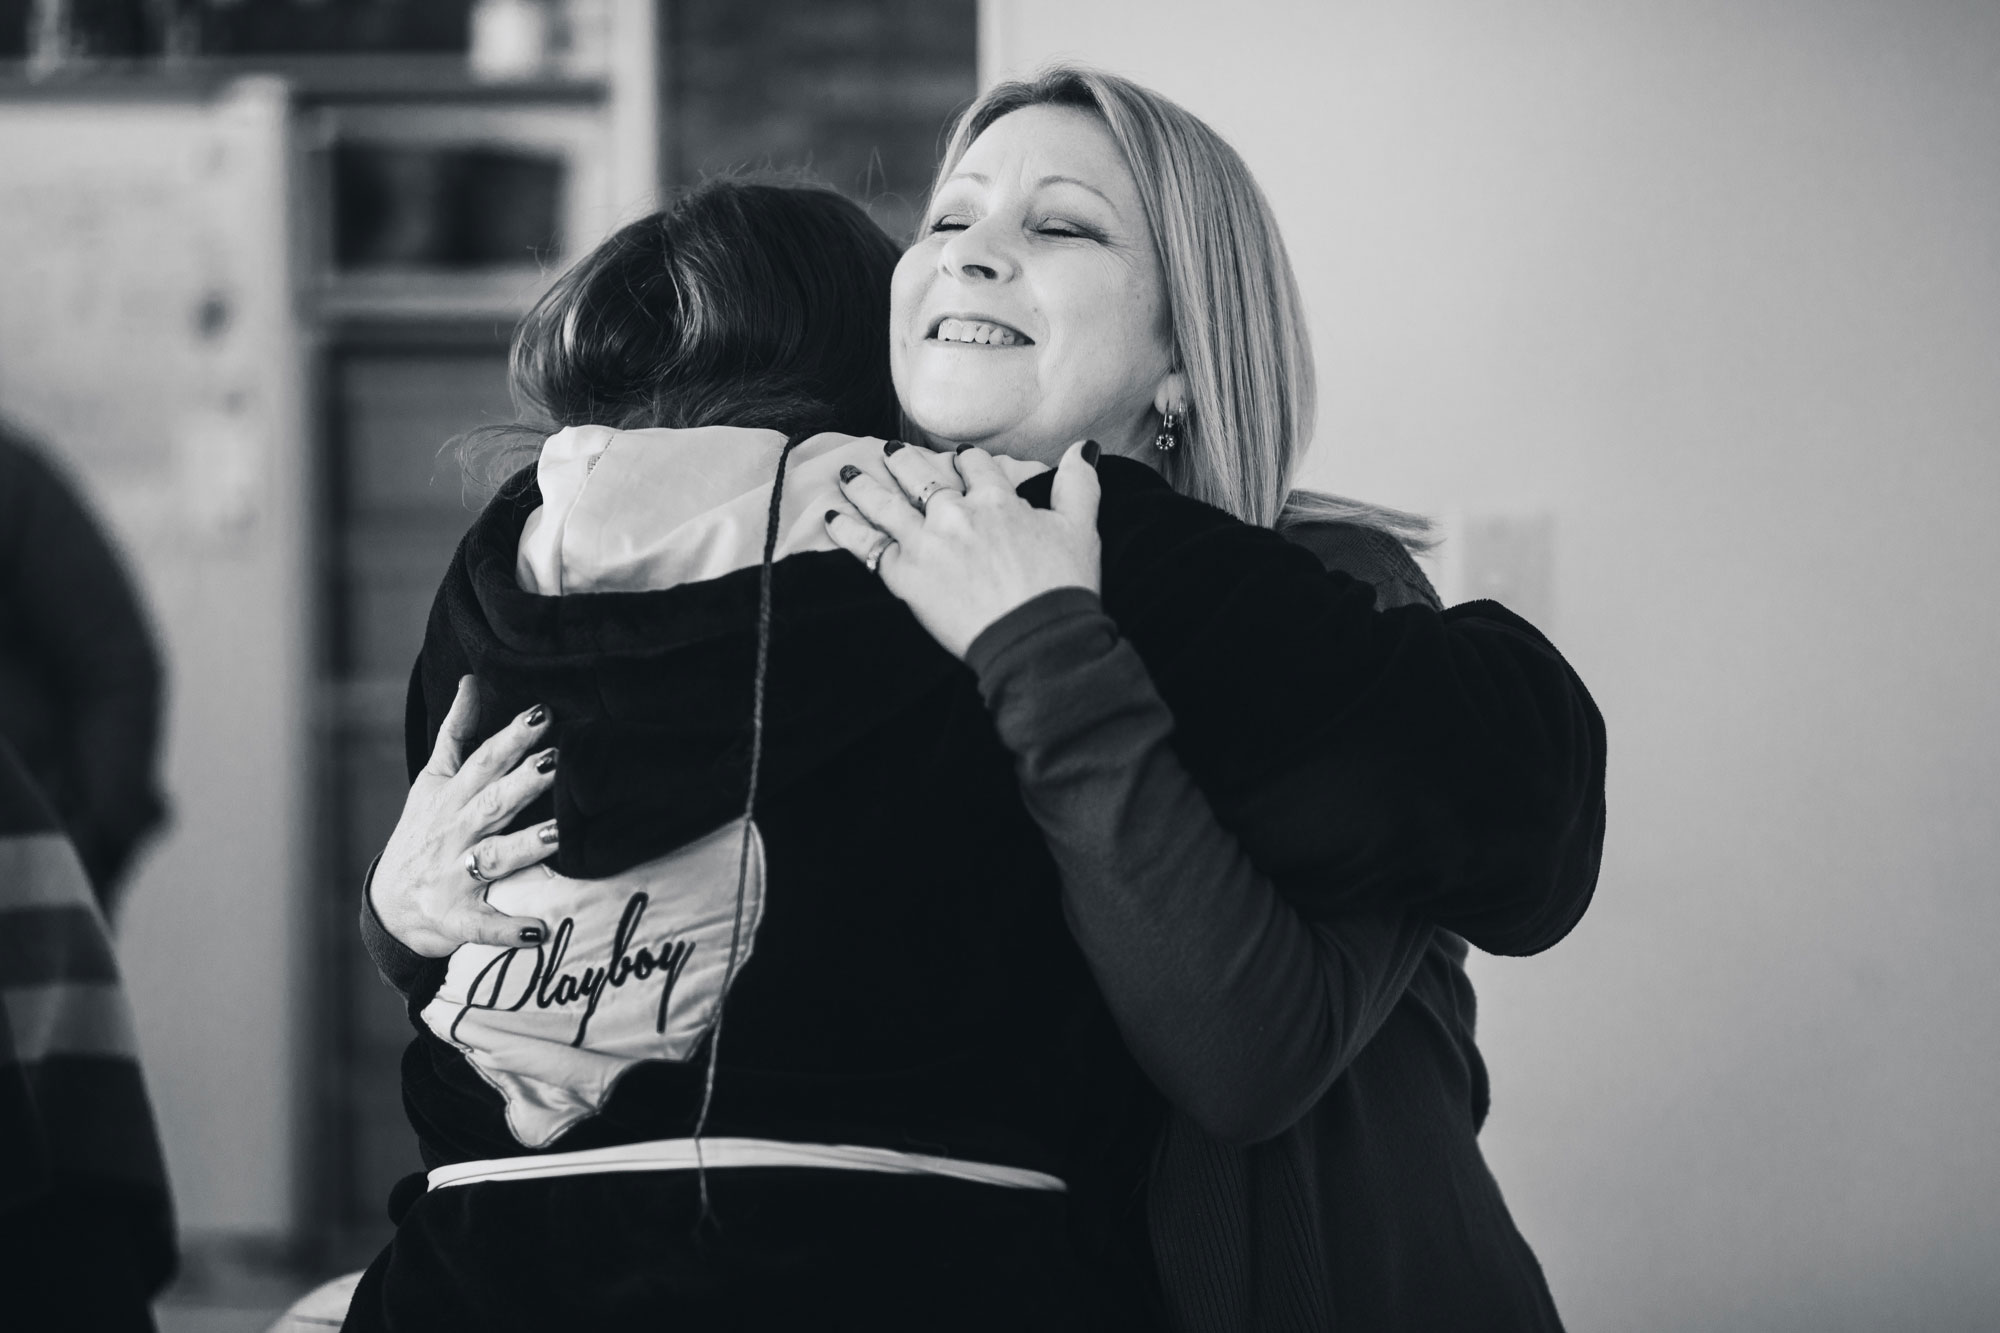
[[1172, 393]]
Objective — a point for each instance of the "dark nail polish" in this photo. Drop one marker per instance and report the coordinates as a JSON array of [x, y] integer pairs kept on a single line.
[[531, 934], [547, 762], [849, 473], [537, 715], [961, 449], [832, 514], [891, 447], [1090, 452], [546, 835]]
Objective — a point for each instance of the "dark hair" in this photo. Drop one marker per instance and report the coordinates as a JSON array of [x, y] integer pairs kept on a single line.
[[747, 303]]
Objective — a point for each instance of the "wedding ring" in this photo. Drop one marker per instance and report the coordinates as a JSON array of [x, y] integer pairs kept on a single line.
[[472, 867], [923, 500], [874, 558]]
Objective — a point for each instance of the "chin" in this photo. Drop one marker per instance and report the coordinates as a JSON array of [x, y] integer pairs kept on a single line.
[[950, 417]]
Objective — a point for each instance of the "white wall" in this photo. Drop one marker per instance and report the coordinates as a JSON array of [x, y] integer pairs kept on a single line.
[[120, 220], [1717, 286]]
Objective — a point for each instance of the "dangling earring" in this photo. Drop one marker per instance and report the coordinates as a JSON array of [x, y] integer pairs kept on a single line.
[[1170, 431]]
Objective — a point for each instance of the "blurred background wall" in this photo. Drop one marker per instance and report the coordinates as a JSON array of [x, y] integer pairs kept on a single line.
[[1683, 317], [1686, 317]]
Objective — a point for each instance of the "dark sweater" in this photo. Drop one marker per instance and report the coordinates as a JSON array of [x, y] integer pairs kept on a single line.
[[1320, 1168]]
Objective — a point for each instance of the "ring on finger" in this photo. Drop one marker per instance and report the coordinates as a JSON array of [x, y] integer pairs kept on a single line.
[[874, 558], [923, 500], [472, 867]]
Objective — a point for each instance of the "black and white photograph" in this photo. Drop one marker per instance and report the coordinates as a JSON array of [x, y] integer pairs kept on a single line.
[[999, 666]]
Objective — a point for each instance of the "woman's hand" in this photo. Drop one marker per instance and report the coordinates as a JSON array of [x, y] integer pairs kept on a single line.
[[962, 548], [423, 890]]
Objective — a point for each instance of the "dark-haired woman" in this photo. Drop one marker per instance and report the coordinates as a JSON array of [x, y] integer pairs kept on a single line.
[[1246, 627], [772, 1056]]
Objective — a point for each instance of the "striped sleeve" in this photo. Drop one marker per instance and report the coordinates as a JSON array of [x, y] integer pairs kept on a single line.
[[73, 1104]]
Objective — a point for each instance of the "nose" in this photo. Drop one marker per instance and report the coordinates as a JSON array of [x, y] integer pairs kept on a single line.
[[977, 254]]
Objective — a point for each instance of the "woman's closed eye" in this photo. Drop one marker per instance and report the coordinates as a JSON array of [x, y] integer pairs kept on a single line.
[[949, 222], [1072, 230]]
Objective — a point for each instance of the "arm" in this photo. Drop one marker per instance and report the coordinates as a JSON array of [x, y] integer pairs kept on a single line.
[[1450, 764], [77, 607], [1239, 1009], [1447, 764]]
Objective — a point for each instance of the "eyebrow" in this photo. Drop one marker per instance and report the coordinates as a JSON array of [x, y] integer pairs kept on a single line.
[[1046, 180]]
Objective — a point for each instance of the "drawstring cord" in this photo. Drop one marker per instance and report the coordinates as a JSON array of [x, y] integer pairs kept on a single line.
[[749, 809]]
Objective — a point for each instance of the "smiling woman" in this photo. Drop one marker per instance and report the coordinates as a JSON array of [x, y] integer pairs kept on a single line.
[[1024, 255]]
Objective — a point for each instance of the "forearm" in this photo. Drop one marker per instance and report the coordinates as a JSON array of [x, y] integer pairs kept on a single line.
[[1238, 1008]]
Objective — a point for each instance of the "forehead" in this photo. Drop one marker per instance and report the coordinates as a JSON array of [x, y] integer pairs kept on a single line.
[[1026, 146]]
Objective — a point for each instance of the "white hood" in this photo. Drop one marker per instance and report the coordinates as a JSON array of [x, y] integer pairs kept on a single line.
[[637, 510]]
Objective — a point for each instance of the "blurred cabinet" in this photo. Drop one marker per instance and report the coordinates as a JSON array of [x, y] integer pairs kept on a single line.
[[434, 209]]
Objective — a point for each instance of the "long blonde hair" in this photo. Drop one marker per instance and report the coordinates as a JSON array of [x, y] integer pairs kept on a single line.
[[1239, 329]]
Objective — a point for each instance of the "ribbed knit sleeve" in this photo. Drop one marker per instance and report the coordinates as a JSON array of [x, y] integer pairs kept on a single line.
[[1239, 1009]]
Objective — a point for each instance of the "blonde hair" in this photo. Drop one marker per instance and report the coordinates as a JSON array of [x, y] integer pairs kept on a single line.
[[1238, 325]]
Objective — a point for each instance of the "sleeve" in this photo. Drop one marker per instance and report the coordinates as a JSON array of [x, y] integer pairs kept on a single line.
[[1240, 1010], [1446, 764], [77, 607]]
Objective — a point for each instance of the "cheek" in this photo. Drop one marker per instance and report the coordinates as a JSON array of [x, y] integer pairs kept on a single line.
[[906, 293]]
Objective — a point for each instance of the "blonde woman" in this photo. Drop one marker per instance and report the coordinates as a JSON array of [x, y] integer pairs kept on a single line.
[[1097, 262]]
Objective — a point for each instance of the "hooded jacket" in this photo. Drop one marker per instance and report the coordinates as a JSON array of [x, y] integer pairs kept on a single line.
[[897, 970]]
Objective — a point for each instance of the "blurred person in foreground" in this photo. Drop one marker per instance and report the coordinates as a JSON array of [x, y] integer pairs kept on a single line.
[[80, 674], [86, 1221]]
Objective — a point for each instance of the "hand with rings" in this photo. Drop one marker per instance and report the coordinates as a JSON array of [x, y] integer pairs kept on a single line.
[[964, 564], [429, 887]]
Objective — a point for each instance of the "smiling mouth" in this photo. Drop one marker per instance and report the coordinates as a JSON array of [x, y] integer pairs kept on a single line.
[[979, 333]]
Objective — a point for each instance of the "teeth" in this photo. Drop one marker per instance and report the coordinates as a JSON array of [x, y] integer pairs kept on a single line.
[[978, 331]]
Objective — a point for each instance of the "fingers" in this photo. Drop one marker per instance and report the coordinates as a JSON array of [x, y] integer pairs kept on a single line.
[[456, 733], [476, 921], [982, 475], [1076, 490], [494, 805], [887, 509], [511, 853], [919, 470], [504, 750], [852, 535]]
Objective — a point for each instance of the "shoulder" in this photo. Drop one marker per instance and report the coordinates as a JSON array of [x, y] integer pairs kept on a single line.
[[1369, 554]]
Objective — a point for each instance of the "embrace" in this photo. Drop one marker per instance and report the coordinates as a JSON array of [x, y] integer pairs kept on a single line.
[[916, 823]]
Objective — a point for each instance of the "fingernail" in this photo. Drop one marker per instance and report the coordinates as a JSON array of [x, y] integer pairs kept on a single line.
[[531, 934], [1090, 452], [831, 515], [961, 449], [891, 447], [849, 473], [537, 715], [546, 834], [546, 762]]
